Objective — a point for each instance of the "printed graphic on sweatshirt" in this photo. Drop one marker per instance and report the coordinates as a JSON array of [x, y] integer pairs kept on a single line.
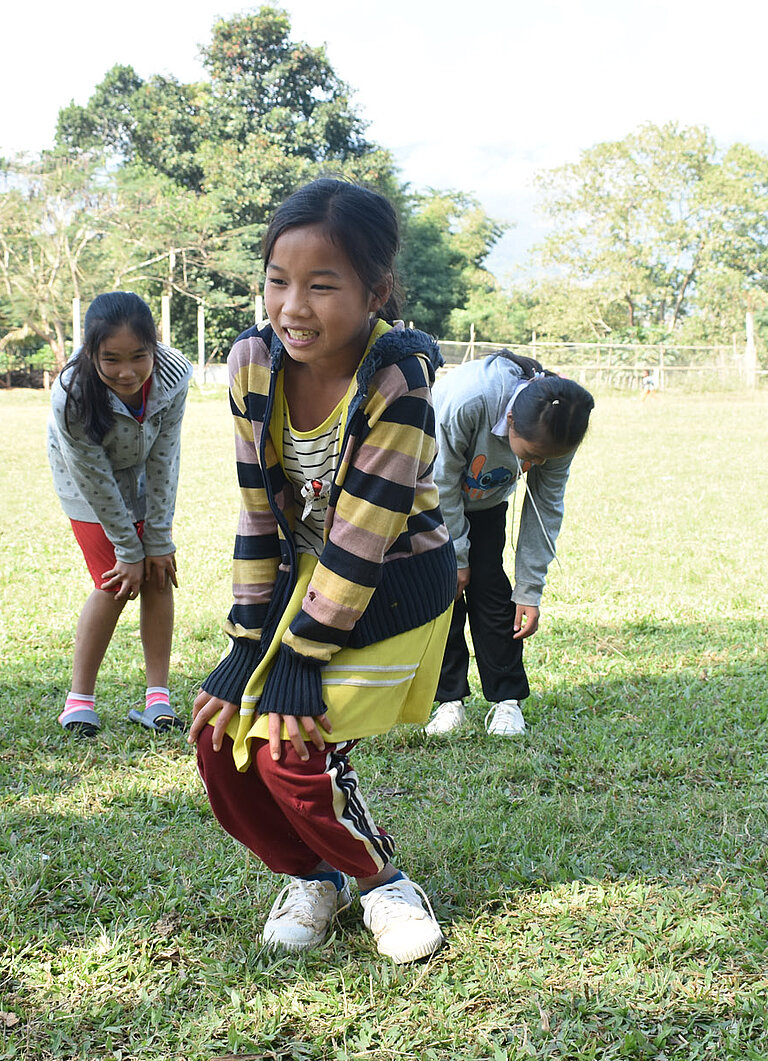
[[478, 481]]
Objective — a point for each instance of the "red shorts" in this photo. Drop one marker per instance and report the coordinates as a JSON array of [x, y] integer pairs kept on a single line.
[[98, 550]]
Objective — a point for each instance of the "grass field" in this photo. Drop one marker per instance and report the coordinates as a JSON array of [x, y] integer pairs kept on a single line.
[[601, 881]]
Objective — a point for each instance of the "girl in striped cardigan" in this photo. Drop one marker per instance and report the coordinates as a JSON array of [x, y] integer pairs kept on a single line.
[[344, 572]]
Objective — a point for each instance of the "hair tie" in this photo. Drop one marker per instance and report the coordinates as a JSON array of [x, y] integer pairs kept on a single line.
[[555, 401]]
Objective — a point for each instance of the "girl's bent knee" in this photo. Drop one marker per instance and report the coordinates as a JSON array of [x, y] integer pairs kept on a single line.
[[211, 763]]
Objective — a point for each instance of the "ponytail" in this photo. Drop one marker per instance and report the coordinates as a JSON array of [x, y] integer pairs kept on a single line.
[[550, 408]]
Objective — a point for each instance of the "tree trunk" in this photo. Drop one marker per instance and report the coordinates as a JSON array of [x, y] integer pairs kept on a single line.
[[684, 287], [56, 343]]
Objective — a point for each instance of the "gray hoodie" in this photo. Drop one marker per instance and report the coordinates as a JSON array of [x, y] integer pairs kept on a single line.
[[133, 473], [476, 469]]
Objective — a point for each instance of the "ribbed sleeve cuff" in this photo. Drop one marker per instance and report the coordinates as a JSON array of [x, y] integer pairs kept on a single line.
[[229, 679], [294, 686]]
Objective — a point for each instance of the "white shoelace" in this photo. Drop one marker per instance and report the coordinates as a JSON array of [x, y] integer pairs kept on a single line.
[[503, 714], [306, 898], [451, 709], [392, 903]]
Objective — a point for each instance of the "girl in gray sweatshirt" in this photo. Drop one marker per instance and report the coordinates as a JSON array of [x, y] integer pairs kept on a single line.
[[498, 419]]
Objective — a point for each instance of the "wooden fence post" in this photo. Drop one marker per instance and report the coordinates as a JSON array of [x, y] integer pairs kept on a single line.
[[165, 319], [76, 328], [201, 340], [750, 353], [469, 353]]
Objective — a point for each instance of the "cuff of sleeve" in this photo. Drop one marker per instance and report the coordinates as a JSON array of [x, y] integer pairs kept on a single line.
[[526, 594], [158, 548], [229, 679], [461, 548], [132, 553], [294, 686]]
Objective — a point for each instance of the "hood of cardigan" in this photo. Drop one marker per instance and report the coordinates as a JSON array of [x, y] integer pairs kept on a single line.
[[395, 345]]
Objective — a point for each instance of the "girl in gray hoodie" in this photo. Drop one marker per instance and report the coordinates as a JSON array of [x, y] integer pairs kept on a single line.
[[113, 446], [498, 419]]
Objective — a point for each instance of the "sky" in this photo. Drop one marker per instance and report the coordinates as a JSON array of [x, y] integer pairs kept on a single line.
[[476, 96]]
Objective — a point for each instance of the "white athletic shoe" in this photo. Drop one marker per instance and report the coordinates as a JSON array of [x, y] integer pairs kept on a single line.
[[402, 928], [505, 719], [302, 913], [449, 716]]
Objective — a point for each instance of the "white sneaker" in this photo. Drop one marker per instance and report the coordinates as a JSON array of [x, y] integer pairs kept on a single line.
[[403, 929], [302, 913], [449, 716], [507, 720]]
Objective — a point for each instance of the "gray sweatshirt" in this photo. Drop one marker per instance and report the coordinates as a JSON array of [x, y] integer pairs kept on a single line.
[[133, 473], [476, 469]]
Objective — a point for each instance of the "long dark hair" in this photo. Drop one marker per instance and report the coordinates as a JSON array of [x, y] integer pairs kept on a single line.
[[363, 223], [87, 397], [551, 409]]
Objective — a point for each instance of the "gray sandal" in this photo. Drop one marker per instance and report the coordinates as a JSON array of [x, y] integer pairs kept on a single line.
[[158, 717], [80, 722]]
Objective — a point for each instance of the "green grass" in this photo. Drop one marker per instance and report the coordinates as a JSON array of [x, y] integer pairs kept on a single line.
[[602, 881]]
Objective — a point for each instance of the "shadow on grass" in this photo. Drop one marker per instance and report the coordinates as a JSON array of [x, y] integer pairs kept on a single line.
[[653, 764], [601, 879], [646, 754]]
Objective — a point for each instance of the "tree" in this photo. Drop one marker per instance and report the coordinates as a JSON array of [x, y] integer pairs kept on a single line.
[[498, 316], [272, 116], [263, 82], [195, 171], [642, 230], [267, 95], [53, 215], [447, 238]]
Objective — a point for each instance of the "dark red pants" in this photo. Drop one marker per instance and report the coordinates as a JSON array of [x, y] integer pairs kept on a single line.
[[295, 814]]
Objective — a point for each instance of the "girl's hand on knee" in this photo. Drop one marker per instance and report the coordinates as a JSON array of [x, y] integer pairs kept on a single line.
[[126, 577], [161, 570], [204, 709], [292, 723]]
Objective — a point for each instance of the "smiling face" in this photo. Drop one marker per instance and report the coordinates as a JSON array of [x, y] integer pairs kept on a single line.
[[124, 364], [319, 307]]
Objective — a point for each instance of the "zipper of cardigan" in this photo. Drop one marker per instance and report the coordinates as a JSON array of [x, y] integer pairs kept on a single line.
[[119, 409], [354, 405], [281, 520]]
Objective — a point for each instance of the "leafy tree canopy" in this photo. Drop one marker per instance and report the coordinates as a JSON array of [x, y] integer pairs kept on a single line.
[[265, 92], [53, 216], [446, 240], [652, 232], [174, 183]]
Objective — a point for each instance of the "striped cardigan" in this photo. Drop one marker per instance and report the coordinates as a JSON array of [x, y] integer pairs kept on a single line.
[[388, 563]]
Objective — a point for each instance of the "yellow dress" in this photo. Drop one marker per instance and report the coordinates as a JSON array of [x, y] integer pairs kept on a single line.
[[366, 690]]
